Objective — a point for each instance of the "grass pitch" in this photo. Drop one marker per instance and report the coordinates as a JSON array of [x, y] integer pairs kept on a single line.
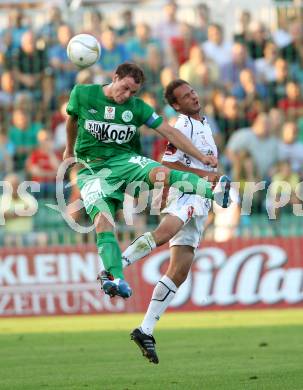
[[258, 350]]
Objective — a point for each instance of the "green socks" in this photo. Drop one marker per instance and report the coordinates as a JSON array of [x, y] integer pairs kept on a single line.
[[110, 253], [190, 183]]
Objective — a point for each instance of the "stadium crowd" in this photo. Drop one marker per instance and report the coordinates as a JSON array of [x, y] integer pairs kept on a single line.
[[250, 89]]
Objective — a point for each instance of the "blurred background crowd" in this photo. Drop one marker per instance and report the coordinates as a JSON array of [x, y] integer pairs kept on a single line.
[[249, 78]]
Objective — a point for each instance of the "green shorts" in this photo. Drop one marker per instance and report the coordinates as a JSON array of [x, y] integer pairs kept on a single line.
[[103, 183]]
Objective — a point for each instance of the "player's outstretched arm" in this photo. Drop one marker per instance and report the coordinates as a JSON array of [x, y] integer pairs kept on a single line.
[[181, 142], [71, 136]]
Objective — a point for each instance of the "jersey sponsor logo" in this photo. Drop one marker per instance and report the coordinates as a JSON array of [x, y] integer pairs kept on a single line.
[[110, 132], [109, 112], [127, 116]]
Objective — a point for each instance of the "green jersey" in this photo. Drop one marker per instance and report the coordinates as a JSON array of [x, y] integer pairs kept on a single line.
[[105, 128]]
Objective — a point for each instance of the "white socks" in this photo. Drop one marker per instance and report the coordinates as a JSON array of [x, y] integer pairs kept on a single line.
[[163, 294], [164, 290], [139, 248]]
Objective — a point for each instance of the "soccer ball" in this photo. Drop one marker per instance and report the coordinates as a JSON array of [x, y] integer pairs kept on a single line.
[[83, 50]]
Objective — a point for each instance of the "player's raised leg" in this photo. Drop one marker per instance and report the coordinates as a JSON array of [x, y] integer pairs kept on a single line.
[[143, 245], [189, 182]]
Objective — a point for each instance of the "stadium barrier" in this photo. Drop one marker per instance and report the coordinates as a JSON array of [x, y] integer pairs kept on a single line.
[[238, 274]]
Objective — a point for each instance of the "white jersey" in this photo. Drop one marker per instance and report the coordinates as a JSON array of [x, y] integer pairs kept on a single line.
[[200, 134], [191, 209]]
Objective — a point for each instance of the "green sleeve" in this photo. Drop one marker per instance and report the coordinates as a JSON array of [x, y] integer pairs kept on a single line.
[[73, 107], [149, 117]]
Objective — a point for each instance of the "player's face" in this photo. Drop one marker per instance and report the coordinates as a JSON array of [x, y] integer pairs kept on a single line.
[[123, 89], [187, 100]]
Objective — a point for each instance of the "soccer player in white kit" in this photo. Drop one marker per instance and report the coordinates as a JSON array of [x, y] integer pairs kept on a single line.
[[185, 214]]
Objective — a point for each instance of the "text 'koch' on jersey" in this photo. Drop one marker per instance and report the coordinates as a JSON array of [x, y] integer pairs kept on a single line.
[[110, 132]]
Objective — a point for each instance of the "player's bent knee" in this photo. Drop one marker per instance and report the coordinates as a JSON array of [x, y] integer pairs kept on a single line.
[[161, 237], [159, 174]]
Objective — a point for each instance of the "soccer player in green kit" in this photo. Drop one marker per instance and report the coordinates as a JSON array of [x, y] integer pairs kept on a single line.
[[102, 133]]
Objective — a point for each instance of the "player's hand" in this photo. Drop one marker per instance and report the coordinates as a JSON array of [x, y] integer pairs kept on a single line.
[[210, 160], [68, 154], [212, 177]]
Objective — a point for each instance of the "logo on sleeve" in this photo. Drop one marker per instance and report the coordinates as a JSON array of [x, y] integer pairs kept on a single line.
[[127, 116], [109, 112]]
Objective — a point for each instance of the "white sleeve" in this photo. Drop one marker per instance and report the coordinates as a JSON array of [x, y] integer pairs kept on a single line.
[[172, 154]]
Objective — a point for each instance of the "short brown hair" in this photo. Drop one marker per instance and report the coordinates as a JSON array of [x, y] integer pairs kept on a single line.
[[129, 69], [170, 89]]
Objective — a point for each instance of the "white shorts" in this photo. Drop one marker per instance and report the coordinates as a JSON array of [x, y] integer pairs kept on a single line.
[[193, 211]]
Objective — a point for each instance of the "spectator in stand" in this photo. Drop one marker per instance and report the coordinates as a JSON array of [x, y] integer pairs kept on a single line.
[[42, 165], [128, 27], [258, 40], [277, 88], [276, 120], [283, 174], [258, 142], [113, 54], [18, 207], [291, 52], [23, 135], [152, 69], [200, 30], [179, 47], [216, 103], [290, 148], [196, 68], [24, 102], [48, 31], [169, 27], [7, 90], [216, 48], [63, 69], [57, 117], [92, 22], [29, 65], [281, 35], [296, 69], [60, 133], [17, 26], [265, 66], [230, 71], [230, 119], [137, 45], [292, 104], [149, 136], [167, 75], [249, 92], [243, 33], [49, 96], [6, 155], [244, 170], [85, 76]]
